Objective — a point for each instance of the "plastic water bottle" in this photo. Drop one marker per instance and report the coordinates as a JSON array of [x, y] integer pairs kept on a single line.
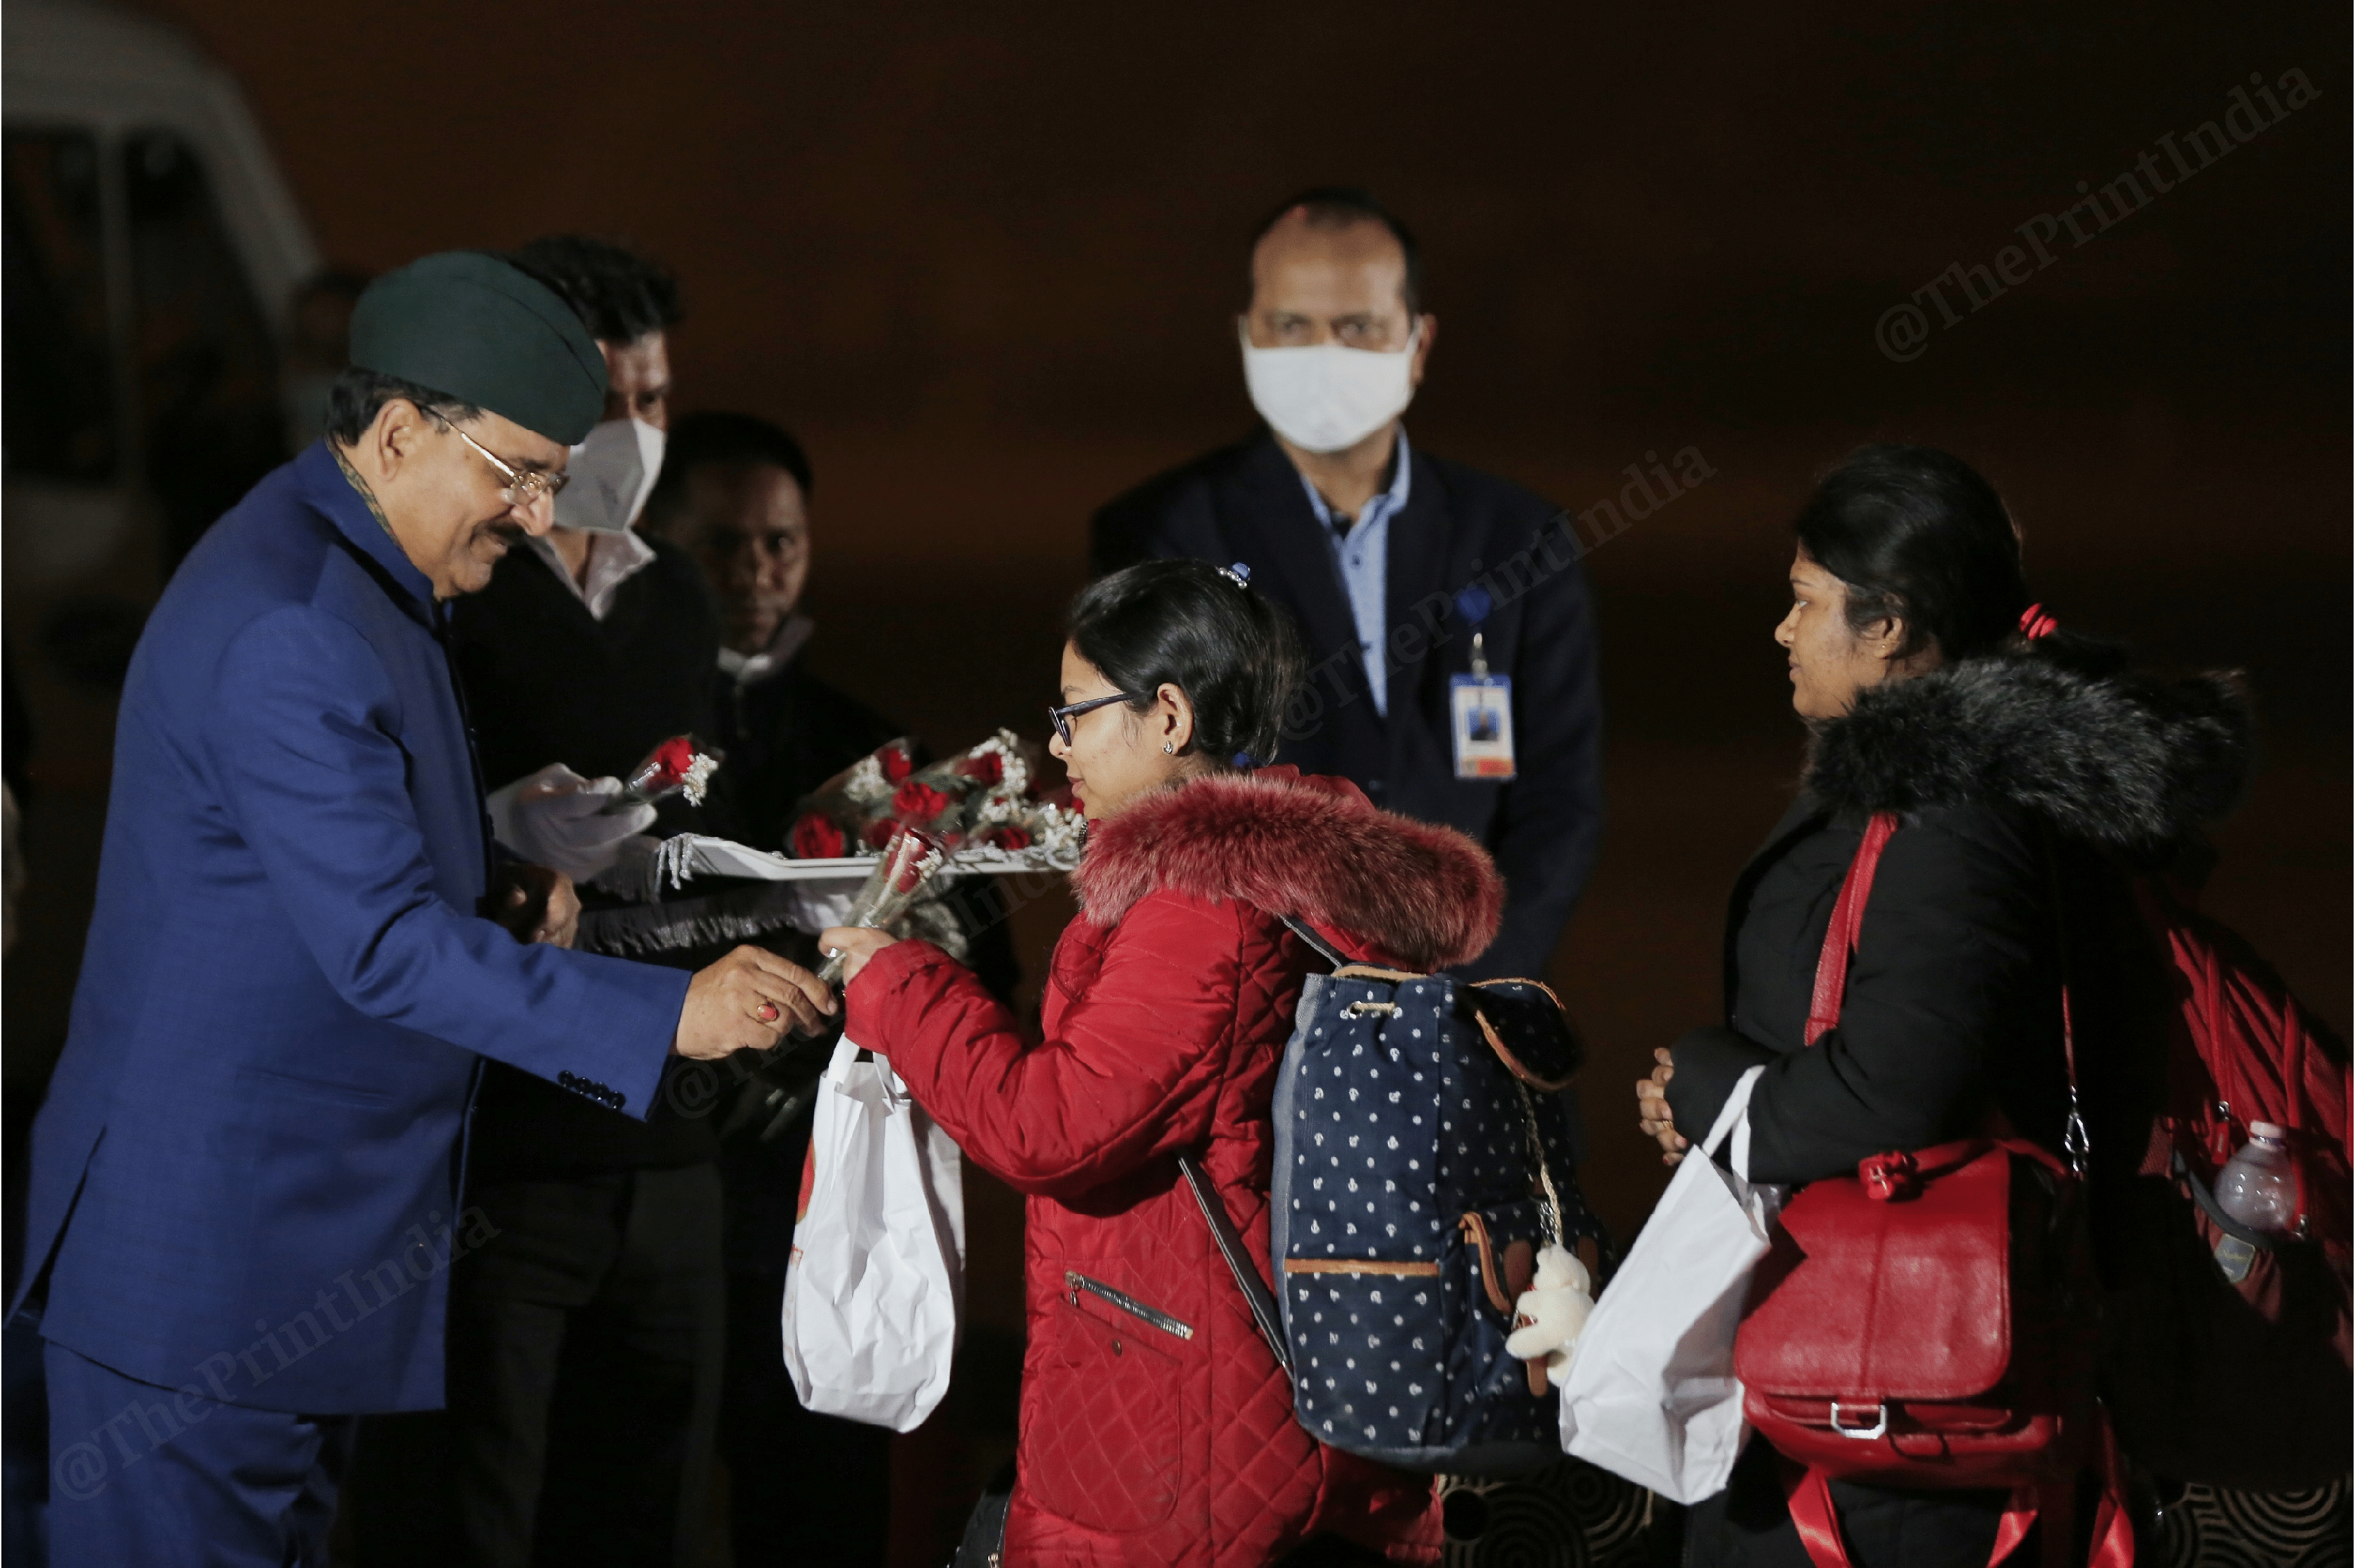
[[2256, 1187]]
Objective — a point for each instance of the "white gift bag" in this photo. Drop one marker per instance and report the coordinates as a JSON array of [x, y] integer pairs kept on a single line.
[[1651, 1393], [876, 1284]]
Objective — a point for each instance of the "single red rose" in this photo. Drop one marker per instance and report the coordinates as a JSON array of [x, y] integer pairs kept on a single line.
[[1005, 836], [897, 764], [987, 768], [818, 837], [917, 801], [876, 834]]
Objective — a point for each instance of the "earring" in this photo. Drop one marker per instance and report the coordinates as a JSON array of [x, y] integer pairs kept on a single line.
[[1170, 747]]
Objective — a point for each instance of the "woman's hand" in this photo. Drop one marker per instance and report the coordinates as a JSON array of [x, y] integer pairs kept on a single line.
[[1652, 1109], [857, 943]]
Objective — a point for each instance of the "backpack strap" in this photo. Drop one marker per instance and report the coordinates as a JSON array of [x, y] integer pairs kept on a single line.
[[1256, 1294], [1316, 944], [1266, 1313]]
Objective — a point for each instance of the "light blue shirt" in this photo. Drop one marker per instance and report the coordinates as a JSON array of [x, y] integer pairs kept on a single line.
[[1363, 556]]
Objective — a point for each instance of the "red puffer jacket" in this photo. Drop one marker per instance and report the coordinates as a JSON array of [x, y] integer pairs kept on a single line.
[[1166, 1435]]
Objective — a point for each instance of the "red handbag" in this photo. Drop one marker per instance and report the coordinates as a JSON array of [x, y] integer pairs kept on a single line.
[[1932, 1321]]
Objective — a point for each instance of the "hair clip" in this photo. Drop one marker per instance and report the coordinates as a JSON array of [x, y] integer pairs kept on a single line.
[[1239, 574], [1244, 759], [2035, 625]]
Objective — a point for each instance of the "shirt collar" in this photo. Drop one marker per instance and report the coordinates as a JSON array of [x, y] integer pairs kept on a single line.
[[1388, 504], [749, 670], [337, 496], [613, 559]]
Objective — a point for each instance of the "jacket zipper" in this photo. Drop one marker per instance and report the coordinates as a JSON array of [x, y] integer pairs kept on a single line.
[[1077, 1282]]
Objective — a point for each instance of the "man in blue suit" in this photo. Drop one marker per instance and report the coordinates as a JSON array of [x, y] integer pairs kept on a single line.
[[245, 1179]]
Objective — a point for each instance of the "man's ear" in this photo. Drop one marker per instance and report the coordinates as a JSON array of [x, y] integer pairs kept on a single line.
[[395, 437], [1430, 324]]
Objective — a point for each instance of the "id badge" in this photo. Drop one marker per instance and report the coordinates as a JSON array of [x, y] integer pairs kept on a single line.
[[1480, 711]]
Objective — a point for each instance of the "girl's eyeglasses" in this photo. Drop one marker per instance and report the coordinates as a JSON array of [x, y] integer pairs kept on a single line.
[[1060, 718]]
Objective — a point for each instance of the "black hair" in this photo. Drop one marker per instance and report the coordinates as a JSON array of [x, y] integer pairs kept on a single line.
[[1918, 534], [1233, 654], [1340, 206], [702, 439], [619, 294], [359, 394]]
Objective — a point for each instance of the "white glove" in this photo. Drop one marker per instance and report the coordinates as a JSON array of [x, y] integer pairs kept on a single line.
[[556, 819], [1552, 1312]]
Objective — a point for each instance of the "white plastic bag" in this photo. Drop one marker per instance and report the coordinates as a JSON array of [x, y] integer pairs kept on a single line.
[[1651, 1393], [876, 1285]]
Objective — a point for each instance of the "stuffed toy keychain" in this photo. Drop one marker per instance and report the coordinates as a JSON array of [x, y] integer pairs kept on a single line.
[[1551, 1314]]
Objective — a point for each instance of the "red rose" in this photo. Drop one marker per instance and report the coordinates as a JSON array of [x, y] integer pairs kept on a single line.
[[897, 764], [877, 835], [987, 768], [917, 801], [818, 837], [1007, 836]]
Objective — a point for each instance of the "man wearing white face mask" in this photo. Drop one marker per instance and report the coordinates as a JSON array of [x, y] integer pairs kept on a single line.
[[585, 1343], [1448, 624]]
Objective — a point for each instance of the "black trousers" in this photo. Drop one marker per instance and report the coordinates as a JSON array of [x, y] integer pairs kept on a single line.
[[1748, 1525], [811, 1491], [584, 1359]]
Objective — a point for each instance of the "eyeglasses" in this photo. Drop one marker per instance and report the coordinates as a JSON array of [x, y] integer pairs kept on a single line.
[[1060, 718], [524, 486]]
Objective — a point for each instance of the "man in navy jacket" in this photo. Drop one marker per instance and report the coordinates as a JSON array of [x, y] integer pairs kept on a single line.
[[245, 1179], [1403, 570]]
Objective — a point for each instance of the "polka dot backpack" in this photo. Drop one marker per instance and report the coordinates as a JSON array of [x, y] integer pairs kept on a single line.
[[1422, 1158]]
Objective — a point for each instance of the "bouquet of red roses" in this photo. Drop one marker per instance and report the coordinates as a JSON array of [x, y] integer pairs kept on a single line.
[[989, 801]]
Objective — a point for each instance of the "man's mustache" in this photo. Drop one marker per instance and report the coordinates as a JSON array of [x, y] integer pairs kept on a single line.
[[506, 530]]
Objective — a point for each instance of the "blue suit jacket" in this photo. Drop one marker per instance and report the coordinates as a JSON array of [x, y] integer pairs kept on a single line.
[[245, 1177]]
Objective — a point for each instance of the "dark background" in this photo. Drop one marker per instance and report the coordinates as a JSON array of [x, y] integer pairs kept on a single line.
[[986, 266]]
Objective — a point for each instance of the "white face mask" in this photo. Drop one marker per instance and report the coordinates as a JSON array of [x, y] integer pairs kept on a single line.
[[611, 474], [1326, 398]]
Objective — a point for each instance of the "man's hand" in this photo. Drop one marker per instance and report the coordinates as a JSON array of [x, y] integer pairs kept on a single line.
[[749, 1001], [556, 817], [1652, 1109], [535, 905], [858, 943]]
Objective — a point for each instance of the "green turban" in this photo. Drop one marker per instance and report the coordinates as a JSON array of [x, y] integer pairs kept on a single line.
[[485, 332]]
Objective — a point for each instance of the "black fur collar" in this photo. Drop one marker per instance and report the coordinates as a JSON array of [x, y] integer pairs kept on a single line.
[[2126, 762]]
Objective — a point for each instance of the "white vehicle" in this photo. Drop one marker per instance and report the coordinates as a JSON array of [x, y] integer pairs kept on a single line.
[[153, 253]]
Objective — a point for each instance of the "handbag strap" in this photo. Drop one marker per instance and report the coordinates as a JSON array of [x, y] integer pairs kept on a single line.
[[1840, 945], [1848, 919]]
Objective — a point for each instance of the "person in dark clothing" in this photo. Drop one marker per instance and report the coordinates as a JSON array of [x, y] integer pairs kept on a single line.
[[585, 1343], [806, 1490], [2027, 770], [1407, 573]]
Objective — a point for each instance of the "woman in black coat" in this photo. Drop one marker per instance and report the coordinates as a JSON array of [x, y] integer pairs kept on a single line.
[[2026, 772]]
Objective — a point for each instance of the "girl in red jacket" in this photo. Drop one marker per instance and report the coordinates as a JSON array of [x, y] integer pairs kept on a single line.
[[1157, 1427]]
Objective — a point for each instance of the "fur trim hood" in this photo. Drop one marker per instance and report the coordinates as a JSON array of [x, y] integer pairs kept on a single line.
[[1425, 896], [2128, 763]]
